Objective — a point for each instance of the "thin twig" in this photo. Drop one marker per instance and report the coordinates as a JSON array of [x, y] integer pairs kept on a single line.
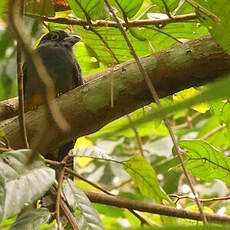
[[106, 46], [46, 25], [156, 99], [53, 163], [123, 13], [84, 11], [143, 221], [203, 10], [213, 131], [139, 141], [112, 92], [136, 214], [188, 122], [162, 32], [167, 10], [71, 172], [107, 23], [21, 116], [114, 57], [203, 200], [120, 185], [68, 215], [60, 180], [65, 208]]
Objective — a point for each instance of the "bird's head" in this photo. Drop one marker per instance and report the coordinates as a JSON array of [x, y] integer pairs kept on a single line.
[[58, 38]]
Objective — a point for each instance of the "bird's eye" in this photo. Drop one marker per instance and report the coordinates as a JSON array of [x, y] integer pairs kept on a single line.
[[54, 37]]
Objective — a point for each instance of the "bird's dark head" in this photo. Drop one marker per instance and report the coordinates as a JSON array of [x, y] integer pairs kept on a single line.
[[58, 38]]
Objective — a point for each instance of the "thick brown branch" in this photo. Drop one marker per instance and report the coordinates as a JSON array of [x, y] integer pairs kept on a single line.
[[87, 108], [153, 208], [8, 108]]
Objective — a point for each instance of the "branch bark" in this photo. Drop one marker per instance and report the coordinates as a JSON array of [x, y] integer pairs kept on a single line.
[[87, 108], [131, 23], [153, 208]]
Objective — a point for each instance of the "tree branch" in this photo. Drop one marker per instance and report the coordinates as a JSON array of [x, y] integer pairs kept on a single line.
[[107, 23], [153, 208], [87, 108]]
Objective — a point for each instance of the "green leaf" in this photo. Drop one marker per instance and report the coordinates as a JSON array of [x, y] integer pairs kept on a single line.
[[172, 4], [139, 37], [41, 8], [115, 128], [115, 42], [92, 152], [206, 162], [145, 177], [89, 64], [3, 8], [187, 93], [181, 227], [215, 91], [219, 30], [6, 42], [32, 219], [92, 7], [21, 184], [129, 7], [6, 224], [169, 35], [77, 199], [225, 113]]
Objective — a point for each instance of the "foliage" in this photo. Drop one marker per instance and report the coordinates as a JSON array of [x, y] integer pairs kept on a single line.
[[27, 180], [112, 156]]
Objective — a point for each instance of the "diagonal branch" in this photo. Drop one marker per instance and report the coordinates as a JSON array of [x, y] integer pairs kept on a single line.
[[153, 208], [155, 97], [20, 76]]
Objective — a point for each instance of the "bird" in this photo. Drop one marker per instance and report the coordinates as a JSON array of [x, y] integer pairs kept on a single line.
[[56, 52]]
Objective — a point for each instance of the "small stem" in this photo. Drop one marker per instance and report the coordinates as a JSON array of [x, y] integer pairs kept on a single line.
[[167, 10], [65, 208], [120, 185], [123, 13], [224, 198], [21, 115], [138, 138], [60, 181], [203, 10], [87, 181], [213, 132], [84, 11]]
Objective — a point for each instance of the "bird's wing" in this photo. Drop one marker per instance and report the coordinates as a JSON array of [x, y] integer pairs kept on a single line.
[[77, 75]]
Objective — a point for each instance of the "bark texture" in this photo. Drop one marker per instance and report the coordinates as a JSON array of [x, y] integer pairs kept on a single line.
[[87, 108]]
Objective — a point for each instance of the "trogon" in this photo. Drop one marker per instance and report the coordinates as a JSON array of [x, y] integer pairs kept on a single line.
[[55, 50]]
